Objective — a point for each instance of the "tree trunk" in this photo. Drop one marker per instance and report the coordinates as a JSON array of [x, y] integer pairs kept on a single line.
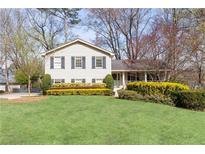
[[29, 85], [65, 31], [200, 76], [6, 76]]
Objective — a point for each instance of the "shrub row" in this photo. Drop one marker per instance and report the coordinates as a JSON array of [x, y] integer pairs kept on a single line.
[[78, 86], [152, 88], [156, 98], [194, 100], [104, 92]]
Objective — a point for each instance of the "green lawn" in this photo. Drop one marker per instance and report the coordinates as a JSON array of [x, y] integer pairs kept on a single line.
[[98, 120]]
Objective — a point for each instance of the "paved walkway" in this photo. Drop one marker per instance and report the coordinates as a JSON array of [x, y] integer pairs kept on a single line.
[[115, 90], [16, 95]]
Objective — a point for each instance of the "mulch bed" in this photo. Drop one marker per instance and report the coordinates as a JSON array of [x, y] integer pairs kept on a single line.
[[27, 99]]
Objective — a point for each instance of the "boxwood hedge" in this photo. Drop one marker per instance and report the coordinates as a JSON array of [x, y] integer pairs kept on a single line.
[[152, 88], [194, 100], [104, 92]]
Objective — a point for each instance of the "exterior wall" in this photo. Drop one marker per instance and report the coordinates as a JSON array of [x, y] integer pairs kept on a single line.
[[78, 49]]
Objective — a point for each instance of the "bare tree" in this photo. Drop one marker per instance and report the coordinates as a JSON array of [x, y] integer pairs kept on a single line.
[[172, 33], [107, 34], [44, 28], [133, 23], [196, 42], [121, 30], [5, 26], [69, 17], [17, 46], [47, 27]]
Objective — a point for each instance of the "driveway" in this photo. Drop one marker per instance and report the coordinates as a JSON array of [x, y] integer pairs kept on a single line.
[[16, 95]]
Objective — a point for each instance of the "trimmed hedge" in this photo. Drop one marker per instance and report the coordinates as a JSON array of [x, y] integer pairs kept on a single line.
[[108, 80], [45, 83], [152, 88], [78, 86], [133, 95], [104, 92], [194, 100], [129, 95]]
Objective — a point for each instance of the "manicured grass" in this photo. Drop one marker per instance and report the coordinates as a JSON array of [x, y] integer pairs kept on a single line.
[[98, 120]]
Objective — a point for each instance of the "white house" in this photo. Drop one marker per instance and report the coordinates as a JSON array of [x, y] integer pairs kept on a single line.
[[78, 61], [81, 61]]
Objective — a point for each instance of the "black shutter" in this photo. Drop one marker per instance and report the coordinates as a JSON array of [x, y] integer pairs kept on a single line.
[[93, 62], [63, 81], [72, 62], [93, 80], [83, 80], [51, 62], [84, 62], [62, 62], [104, 62], [72, 80]]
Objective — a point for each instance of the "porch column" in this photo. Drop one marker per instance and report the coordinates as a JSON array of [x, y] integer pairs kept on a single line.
[[145, 76], [165, 75], [123, 80]]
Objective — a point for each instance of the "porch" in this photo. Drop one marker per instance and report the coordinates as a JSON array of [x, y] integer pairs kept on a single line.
[[121, 78]]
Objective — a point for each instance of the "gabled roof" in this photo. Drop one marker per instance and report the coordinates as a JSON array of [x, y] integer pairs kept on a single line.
[[78, 41], [138, 65]]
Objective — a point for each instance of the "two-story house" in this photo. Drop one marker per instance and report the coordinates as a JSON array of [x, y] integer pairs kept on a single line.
[[81, 61], [78, 61]]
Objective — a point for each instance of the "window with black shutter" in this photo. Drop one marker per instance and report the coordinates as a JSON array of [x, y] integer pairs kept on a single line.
[[72, 62], [104, 62], [51, 62], [93, 62], [84, 62], [62, 62]]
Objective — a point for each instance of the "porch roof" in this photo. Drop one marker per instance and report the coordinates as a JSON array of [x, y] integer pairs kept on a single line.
[[138, 65]]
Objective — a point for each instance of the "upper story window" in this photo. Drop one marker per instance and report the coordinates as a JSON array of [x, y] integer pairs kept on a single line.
[[78, 62], [99, 62], [57, 62]]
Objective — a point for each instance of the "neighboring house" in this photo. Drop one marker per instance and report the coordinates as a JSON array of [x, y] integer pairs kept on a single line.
[[81, 61]]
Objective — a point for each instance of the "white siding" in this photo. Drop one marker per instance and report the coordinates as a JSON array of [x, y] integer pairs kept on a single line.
[[78, 49]]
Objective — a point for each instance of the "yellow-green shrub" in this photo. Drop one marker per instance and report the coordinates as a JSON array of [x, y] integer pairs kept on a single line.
[[78, 86], [104, 92], [151, 88]]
